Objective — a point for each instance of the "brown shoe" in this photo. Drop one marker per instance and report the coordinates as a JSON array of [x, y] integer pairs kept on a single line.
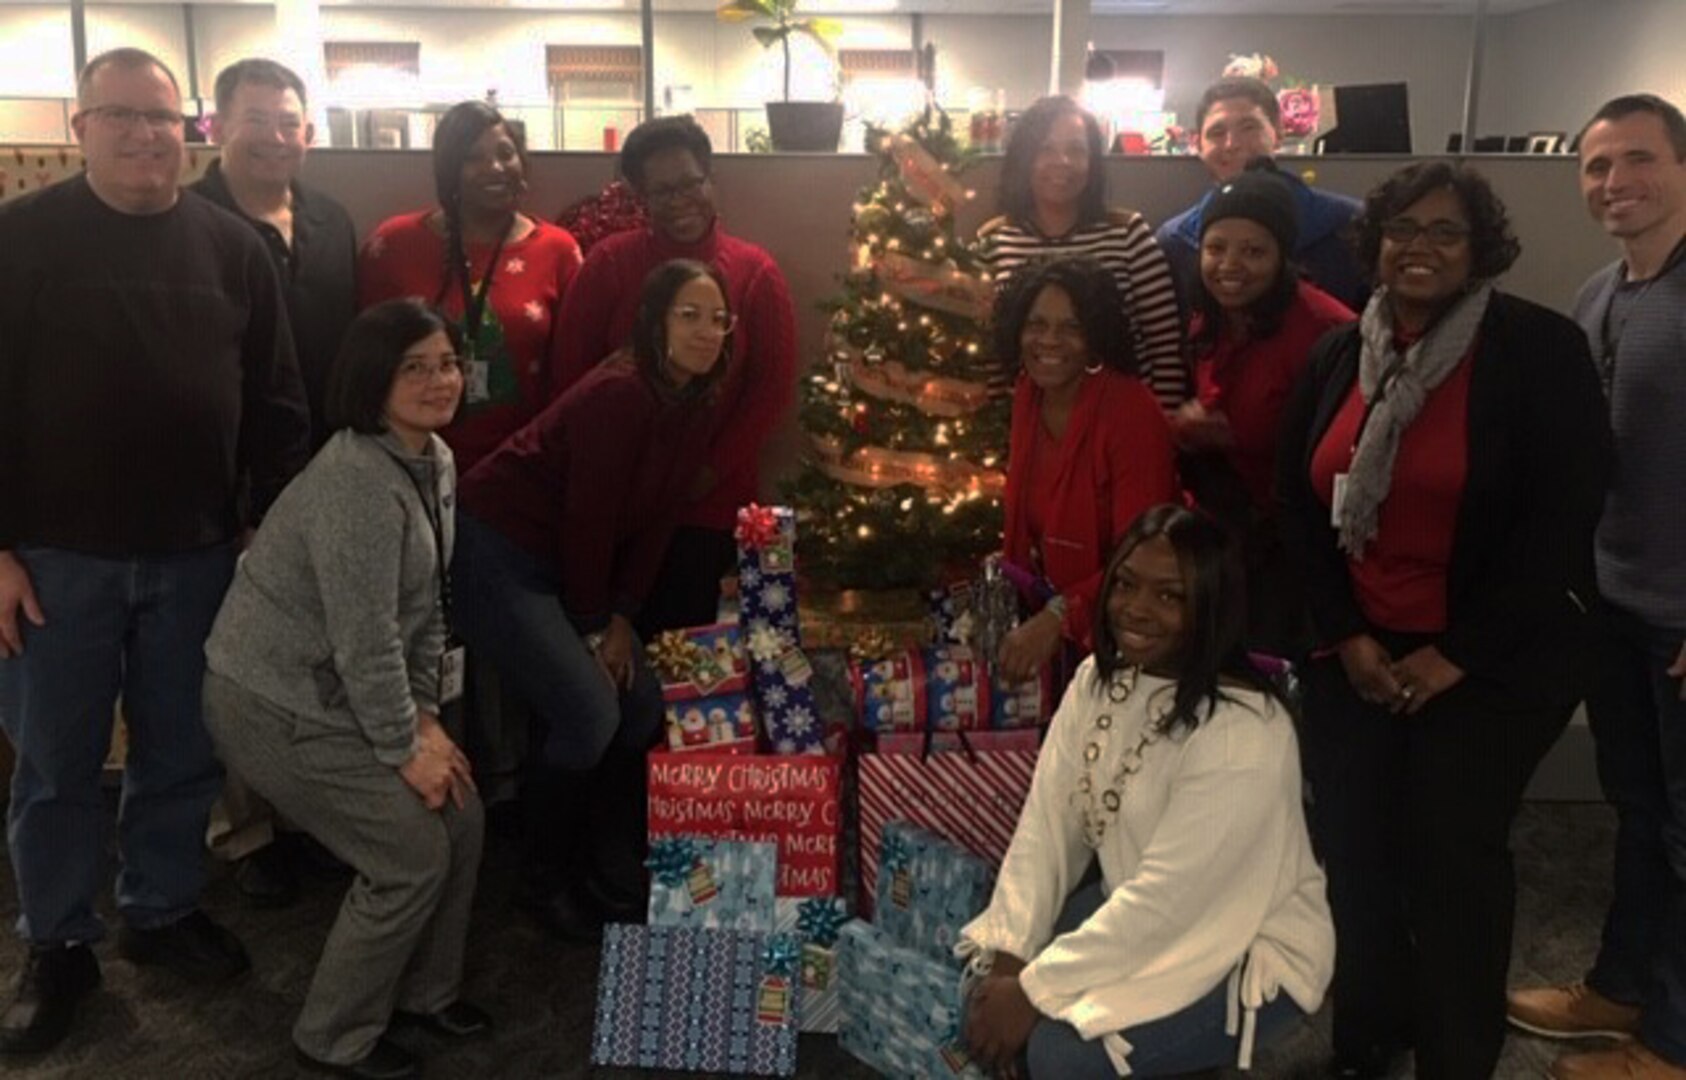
[[1629, 1061], [1574, 1011]]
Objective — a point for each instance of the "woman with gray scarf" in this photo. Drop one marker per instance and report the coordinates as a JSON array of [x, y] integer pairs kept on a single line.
[[1442, 468]]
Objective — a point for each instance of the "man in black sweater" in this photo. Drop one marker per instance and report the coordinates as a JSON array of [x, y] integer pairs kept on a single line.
[[146, 374], [264, 131]]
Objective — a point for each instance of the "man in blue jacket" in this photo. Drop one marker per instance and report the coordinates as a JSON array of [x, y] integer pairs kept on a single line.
[[1238, 120]]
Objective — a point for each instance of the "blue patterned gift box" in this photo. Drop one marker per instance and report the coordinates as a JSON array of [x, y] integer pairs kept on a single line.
[[722, 1002], [901, 1008], [928, 889], [718, 884], [781, 676], [815, 922]]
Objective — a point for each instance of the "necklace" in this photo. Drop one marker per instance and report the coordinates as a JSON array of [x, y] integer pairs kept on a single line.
[[1101, 806]]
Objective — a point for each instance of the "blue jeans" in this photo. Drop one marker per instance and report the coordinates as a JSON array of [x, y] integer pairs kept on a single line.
[[507, 606], [134, 626], [1186, 1041], [1639, 726]]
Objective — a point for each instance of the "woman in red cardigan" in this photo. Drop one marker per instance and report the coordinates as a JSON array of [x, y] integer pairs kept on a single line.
[[1255, 323], [1089, 450]]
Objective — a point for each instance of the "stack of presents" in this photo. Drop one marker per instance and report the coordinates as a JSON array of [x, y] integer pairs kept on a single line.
[[772, 827]]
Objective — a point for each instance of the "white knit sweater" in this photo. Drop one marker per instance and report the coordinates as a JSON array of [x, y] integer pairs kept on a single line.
[[1207, 868]]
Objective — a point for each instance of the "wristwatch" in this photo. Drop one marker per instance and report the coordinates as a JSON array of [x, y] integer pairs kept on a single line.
[[1056, 603]]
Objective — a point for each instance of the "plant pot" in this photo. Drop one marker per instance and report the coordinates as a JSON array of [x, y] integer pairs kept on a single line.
[[805, 125]]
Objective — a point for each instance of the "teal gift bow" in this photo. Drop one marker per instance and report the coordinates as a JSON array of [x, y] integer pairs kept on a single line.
[[671, 859], [783, 955], [896, 853], [819, 919]]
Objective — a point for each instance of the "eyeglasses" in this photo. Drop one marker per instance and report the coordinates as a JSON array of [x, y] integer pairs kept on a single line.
[[1069, 329], [422, 372], [123, 116], [692, 317], [688, 188], [1442, 234]]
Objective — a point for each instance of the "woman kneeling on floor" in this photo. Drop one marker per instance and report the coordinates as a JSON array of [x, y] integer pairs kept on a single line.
[[1173, 764], [327, 671]]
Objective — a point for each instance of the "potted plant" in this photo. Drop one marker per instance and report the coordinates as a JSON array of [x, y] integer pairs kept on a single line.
[[794, 125]]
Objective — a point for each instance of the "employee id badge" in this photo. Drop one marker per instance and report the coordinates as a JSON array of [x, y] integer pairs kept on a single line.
[[453, 670], [1337, 500], [477, 380]]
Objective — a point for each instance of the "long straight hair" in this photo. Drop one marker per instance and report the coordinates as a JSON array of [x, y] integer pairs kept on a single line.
[[1214, 615]]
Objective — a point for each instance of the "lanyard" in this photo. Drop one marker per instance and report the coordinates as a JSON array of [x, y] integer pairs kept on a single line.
[[435, 522], [474, 301]]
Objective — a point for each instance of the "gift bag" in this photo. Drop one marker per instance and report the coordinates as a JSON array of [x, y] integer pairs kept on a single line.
[[713, 883], [901, 1009], [971, 796], [792, 801], [722, 1002]]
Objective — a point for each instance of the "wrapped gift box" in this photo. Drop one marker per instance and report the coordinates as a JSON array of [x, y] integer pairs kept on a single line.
[[928, 889], [722, 1002], [705, 683], [901, 1009], [781, 676], [794, 802], [945, 688], [713, 883], [815, 923]]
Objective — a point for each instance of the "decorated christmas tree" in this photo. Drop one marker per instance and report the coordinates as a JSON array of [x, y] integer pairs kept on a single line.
[[904, 473]]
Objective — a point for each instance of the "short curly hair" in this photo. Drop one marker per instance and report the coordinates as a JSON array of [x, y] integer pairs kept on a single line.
[[1493, 246], [664, 133], [1107, 332]]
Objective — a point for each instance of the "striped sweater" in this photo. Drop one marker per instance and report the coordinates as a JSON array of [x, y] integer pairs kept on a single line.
[[1124, 244]]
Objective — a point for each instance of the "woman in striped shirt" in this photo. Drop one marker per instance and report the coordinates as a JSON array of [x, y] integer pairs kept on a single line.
[[1053, 203]]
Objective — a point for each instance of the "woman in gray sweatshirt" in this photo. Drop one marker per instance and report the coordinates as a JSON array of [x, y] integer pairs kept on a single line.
[[327, 668]]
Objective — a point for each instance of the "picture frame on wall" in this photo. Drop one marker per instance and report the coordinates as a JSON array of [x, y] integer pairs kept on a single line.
[[1546, 142]]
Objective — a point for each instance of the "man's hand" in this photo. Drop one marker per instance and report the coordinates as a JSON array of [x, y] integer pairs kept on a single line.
[[17, 594], [432, 739], [1028, 646], [615, 653]]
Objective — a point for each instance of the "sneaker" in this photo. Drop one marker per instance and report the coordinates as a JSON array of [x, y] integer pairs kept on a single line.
[[1573, 1011], [1629, 1061], [265, 878], [51, 985], [193, 947]]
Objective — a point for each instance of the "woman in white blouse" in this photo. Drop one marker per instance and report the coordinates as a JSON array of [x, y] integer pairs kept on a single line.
[[1174, 763]]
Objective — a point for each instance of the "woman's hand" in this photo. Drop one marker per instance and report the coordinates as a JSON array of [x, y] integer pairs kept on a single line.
[[1369, 669], [999, 1020], [1424, 675], [614, 655], [1197, 428], [1028, 646]]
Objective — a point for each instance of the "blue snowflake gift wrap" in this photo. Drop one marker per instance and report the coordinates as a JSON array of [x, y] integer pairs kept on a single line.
[[902, 1011], [815, 922], [722, 1002], [928, 889], [781, 677], [718, 884]]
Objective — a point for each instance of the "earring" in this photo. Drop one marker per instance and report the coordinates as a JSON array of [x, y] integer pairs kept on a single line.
[[1094, 370]]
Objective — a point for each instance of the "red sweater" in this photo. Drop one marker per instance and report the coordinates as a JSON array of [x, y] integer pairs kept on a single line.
[[1400, 583], [592, 484], [1250, 383], [404, 257], [760, 381], [1114, 461]]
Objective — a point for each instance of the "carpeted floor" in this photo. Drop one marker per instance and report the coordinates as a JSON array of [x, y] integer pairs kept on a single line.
[[144, 1026]]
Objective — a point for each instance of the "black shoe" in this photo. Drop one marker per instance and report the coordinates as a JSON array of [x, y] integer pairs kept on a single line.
[[193, 947], [562, 912], [53, 981], [1377, 1063], [387, 1061], [458, 1020], [265, 878]]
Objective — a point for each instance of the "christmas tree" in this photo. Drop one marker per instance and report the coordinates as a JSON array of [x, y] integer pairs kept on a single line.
[[903, 480]]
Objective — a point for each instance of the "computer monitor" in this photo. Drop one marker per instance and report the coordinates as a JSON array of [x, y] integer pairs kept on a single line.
[[1371, 119]]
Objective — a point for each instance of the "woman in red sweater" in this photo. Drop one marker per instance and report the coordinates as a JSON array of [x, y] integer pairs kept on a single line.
[[559, 535], [1089, 450], [1255, 322], [498, 272]]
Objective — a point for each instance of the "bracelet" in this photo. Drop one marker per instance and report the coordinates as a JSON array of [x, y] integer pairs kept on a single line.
[[594, 641], [1057, 605]]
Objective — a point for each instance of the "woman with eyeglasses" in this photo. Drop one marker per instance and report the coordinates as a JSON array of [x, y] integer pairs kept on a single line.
[[1442, 469], [1089, 449], [327, 668], [1053, 205], [562, 531], [500, 272]]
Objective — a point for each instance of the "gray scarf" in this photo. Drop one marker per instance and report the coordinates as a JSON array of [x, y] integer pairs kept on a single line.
[[1395, 387]]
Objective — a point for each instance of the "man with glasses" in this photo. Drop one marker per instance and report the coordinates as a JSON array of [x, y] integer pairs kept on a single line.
[[263, 131], [146, 373], [1633, 180], [667, 162], [1239, 119]]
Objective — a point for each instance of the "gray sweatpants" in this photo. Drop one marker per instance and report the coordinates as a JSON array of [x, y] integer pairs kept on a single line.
[[399, 939]]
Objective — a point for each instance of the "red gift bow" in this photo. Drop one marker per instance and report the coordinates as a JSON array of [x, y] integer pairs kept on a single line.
[[758, 526]]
